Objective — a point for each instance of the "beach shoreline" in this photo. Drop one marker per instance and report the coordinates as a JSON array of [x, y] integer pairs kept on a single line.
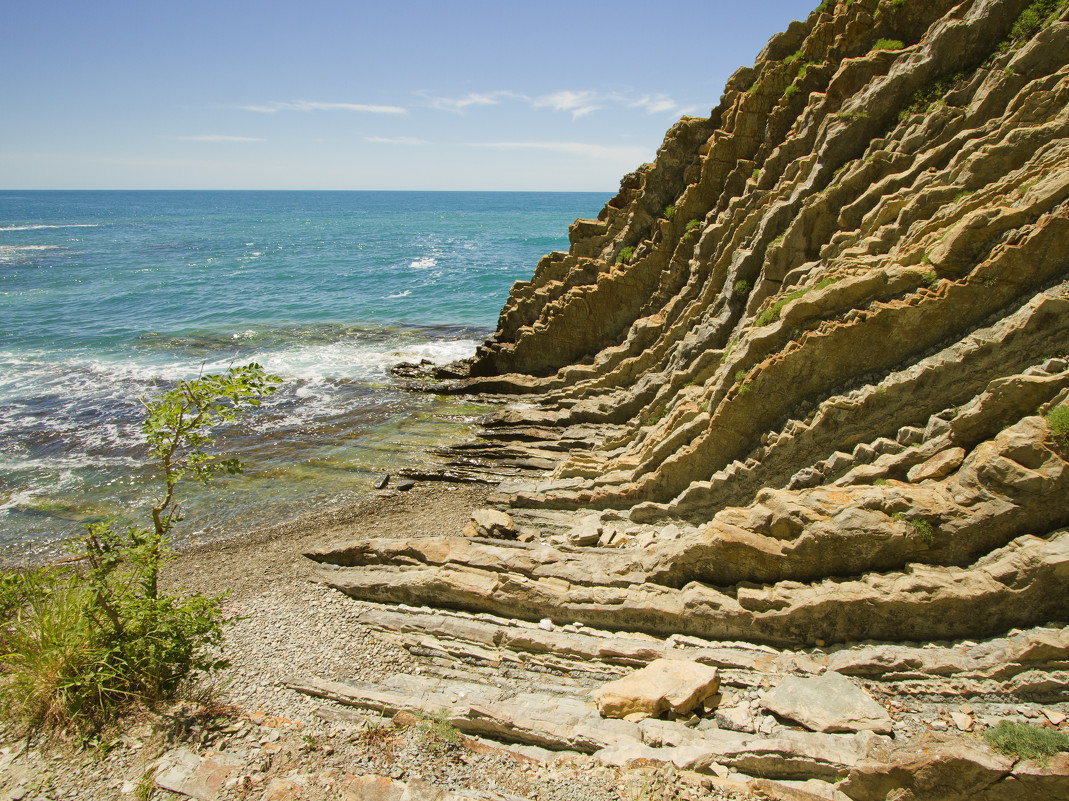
[[286, 625]]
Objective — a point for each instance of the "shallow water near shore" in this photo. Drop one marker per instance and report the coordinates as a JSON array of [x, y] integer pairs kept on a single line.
[[110, 297]]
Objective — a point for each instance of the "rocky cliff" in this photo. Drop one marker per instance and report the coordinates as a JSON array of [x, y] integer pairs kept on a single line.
[[799, 384]]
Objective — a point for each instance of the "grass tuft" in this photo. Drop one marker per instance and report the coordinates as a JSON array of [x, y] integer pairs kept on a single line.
[[438, 733], [887, 44], [1022, 741]]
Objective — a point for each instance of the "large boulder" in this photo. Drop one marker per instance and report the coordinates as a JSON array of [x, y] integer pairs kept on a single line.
[[665, 685], [490, 523]]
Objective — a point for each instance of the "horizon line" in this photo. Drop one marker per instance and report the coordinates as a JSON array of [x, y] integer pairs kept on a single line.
[[528, 191]]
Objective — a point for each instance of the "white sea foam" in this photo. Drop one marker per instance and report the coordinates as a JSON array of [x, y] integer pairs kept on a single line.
[[18, 499], [424, 263], [356, 359], [404, 294], [12, 252], [42, 227]]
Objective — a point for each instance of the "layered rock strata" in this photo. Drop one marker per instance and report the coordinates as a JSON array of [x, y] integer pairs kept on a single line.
[[822, 367], [800, 383]]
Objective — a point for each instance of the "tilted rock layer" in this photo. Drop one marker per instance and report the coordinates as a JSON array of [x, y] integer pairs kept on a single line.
[[819, 333], [800, 380]]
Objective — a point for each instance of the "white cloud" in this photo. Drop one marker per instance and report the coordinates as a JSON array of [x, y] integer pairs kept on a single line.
[[260, 109], [615, 152], [313, 105], [578, 103], [471, 99], [396, 140], [220, 138], [655, 104]]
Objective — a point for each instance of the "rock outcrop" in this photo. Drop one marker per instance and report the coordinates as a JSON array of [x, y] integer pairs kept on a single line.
[[797, 386]]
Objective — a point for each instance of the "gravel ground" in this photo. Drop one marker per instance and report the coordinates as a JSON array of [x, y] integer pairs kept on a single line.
[[285, 625]]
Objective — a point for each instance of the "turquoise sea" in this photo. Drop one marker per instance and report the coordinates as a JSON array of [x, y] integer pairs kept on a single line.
[[110, 297]]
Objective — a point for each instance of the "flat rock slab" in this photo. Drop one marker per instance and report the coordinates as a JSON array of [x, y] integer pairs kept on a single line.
[[665, 685], [789, 755], [184, 772], [380, 788], [829, 703], [957, 771], [939, 466]]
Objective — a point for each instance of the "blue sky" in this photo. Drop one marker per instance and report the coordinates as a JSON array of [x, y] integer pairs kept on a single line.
[[456, 94]]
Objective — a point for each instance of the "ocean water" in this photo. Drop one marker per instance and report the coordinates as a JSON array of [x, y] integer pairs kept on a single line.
[[110, 297]]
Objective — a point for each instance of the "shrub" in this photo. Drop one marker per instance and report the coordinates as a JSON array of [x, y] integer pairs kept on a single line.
[[740, 376], [1033, 18], [669, 211], [80, 645], [1058, 421], [741, 288], [790, 91], [929, 94], [1022, 741], [887, 44], [625, 255], [693, 225], [923, 529]]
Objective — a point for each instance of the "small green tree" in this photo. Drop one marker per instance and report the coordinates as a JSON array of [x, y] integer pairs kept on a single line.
[[79, 645]]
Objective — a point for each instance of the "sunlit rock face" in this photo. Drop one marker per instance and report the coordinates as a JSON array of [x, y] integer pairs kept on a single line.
[[801, 385]]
